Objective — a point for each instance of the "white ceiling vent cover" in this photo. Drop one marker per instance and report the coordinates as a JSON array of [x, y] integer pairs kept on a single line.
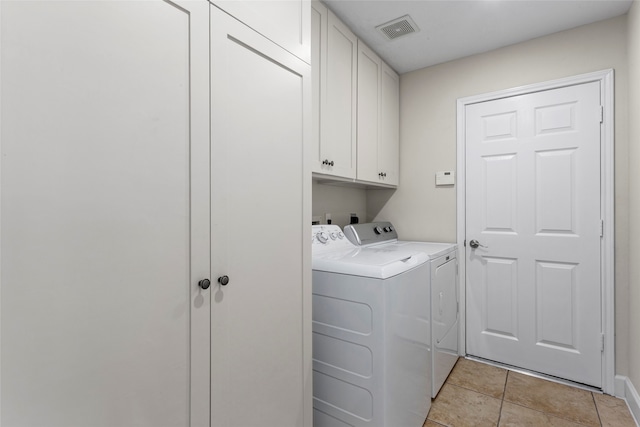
[[398, 27]]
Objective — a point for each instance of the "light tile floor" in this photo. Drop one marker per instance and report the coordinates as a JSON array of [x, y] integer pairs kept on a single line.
[[477, 394]]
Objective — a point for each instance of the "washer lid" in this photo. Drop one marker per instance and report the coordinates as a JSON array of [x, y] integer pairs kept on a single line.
[[376, 262]]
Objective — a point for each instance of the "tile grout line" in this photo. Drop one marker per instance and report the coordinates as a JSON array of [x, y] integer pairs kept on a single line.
[[552, 415], [597, 411], [504, 392], [558, 416]]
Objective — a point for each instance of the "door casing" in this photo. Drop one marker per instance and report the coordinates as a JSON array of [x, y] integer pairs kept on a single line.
[[607, 280]]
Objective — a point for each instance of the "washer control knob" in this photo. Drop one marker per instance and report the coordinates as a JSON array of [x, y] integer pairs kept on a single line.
[[377, 229], [333, 235], [340, 235], [322, 237]]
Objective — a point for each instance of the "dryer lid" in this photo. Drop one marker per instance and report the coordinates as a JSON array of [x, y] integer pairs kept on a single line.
[[434, 250]]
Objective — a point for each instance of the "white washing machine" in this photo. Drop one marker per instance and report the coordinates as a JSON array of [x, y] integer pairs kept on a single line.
[[371, 333], [444, 291]]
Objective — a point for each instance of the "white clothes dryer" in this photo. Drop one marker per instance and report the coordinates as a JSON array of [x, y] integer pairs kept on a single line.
[[371, 333], [444, 301]]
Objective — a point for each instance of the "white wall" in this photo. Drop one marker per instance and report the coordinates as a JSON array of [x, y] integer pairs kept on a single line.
[[633, 335], [428, 140]]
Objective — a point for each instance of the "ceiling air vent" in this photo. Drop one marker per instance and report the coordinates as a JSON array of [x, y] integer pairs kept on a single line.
[[398, 27]]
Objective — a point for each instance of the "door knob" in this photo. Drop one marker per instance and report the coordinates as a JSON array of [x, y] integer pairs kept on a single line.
[[223, 280], [475, 244], [204, 283]]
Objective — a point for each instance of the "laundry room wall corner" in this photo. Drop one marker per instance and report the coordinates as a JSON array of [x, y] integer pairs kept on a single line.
[[632, 297], [428, 130]]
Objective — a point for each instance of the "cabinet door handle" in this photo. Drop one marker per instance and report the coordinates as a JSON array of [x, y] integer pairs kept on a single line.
[[223, 280], [204, 283]]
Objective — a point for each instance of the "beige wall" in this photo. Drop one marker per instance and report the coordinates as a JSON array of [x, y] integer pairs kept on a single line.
[[633, 336], [428, 138], [340, 202]]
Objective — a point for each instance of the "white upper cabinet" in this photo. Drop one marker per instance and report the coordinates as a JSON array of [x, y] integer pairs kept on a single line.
[[334, 62], [378, 119], [356, 106], [285, 22]]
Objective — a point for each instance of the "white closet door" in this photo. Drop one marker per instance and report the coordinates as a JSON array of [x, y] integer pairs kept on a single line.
[[283, 21], [261, 319], [104, 214]]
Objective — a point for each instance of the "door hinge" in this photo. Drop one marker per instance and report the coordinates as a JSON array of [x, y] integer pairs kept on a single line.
[[601, 342], [601, 227], [601, 114]]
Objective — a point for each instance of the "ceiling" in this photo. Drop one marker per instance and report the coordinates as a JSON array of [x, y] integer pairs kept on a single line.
[[452, 29]]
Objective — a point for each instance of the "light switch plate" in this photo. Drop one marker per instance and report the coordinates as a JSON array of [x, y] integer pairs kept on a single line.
[[445, 178]]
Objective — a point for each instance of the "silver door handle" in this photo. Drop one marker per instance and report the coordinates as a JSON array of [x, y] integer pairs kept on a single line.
[[475, 244]]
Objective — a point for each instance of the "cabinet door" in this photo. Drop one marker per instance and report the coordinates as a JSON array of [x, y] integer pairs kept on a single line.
[[261, 319], [286, 22], [104, 214], [389, 144], [378, 119], [337, 154], [319, 16], [369, 99]]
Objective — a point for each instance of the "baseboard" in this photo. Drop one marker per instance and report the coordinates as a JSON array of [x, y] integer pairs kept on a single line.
[[625, 390], [620, 386]]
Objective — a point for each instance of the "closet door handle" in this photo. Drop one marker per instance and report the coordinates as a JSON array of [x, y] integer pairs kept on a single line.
[[475, 244]]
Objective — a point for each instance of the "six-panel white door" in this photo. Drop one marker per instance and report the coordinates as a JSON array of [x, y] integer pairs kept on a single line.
[[533, 204], [104, 214]]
